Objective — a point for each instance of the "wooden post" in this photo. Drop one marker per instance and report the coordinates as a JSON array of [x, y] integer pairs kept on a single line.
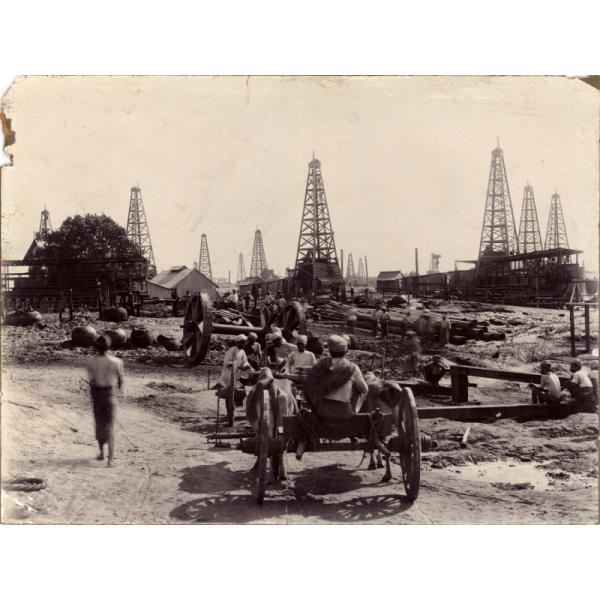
[[586, 308], [572, 319], [70, 305], [460, 386]]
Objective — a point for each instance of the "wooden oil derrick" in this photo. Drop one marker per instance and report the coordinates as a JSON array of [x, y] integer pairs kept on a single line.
[[530, 238], [204, 261], [556, 232]]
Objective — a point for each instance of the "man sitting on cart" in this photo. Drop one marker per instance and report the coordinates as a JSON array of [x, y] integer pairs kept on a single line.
[[335, 385]]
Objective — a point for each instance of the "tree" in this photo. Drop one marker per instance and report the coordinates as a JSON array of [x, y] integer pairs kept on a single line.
[[89, 237], [92, 237]]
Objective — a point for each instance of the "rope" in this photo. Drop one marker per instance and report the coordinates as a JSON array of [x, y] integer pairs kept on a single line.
[[25, 484]]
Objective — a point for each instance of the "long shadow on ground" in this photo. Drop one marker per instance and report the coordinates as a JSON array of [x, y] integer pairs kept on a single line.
[[232, 501]]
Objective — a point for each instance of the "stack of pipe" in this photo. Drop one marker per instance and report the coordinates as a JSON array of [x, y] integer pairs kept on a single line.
[[426, 324]]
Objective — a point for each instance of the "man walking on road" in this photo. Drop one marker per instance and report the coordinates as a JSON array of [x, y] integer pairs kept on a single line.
[[104, 373]]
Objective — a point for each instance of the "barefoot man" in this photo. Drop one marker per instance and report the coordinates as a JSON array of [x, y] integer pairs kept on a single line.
[[105, 372]]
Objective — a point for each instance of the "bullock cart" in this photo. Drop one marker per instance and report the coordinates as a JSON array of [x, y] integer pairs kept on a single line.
[[370, 432]]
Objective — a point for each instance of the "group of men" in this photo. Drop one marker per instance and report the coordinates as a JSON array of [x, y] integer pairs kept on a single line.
[[583, 386], [337, 383]]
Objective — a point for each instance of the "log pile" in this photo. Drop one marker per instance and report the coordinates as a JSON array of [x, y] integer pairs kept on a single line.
[[426, 324]]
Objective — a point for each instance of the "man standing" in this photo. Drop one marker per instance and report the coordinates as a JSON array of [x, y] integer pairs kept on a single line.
[[548, 392], [377, 317], [580, 386], [235, 360], [175, 302], [247, 298], [301, 357], [104, 373], [334, 385], [269, 302], [280, 303], [444, 335], [384, 322], [413, 348]]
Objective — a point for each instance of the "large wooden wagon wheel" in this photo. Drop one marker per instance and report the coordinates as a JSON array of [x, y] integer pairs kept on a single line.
[[293, 318], [262, 451], [410, 444], [197, 328]]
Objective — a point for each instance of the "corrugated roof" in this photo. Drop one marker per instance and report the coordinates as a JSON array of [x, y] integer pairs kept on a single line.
[[171, 277], [389, 275]]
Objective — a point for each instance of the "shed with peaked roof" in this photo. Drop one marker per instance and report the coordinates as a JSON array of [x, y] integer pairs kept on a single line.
[[389, 281], [182, 279]]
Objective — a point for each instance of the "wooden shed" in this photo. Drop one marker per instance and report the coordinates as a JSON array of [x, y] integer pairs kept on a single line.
[[183, 279], [389, 282]]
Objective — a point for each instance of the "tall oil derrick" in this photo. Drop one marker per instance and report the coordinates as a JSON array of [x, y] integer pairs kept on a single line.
[[350, 272], [241, 272], [204, 261], [137, 229], [498, 233], [530, 238], [556, 232], [434, 263], [315, 242], [45, 226], [361, 276], [258, 265]]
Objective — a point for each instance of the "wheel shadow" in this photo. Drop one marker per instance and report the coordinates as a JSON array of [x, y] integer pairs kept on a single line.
[[230, 499], [214, 479]]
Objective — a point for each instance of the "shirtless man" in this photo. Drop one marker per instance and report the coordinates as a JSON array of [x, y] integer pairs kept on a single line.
[[105, 372]]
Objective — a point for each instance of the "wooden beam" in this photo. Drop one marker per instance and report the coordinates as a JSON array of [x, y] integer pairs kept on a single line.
[[483, 412], [456, 370]]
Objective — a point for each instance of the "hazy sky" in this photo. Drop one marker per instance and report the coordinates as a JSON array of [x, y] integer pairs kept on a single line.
[[405, 161]]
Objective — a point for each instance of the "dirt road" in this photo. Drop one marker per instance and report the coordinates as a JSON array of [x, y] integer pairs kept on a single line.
[[166, 472]]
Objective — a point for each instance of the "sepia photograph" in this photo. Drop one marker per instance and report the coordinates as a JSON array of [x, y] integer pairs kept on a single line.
[[300, 300]]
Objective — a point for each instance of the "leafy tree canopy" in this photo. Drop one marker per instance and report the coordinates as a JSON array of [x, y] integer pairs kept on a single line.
[[89, 237]]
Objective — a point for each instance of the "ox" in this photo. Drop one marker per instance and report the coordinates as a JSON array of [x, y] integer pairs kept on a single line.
[[387, 396], [281, 403]]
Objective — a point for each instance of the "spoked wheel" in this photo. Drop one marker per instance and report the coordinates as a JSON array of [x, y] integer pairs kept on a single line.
[[293, 318], [410, 448], [197, 328], [262, 452]]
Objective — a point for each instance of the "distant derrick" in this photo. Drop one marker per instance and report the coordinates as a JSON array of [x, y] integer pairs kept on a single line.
[[350, 272], [361, 276], [498, 233], [137, 229], [434, 263], [241, 273], [45, 226], [556, 232], [530, 238], [204, 261], [258, 265]]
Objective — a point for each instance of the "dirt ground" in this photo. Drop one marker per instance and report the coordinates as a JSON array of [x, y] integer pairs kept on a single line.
[[167, 472]]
